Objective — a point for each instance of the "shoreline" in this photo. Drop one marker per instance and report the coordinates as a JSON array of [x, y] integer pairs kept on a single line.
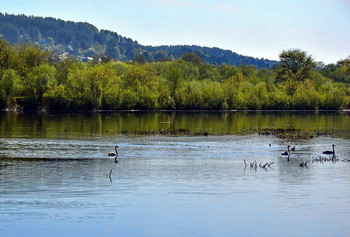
[[45, 110]]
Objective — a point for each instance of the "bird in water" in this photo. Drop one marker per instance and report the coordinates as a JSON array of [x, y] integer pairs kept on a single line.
[[286, 153], [330, 152], [114, 153], [293, 148]]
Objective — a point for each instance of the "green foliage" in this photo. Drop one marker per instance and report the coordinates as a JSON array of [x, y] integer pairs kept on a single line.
[[174, 78], [38, 81], [250, 73], [306, 96], [141, 80], [129, 99], [334, 96], [7, 56], [85, 91], [213, 95], [339, 72], [57, 98], [295, 64], [188, 70], [29, 57], [190, 96], [192, 58], [10, 85], [29, 78], [280, 100], [165, 99], [233, 91], [63, 68]]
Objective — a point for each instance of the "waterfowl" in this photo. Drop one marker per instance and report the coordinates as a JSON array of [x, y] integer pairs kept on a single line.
[[330, 152], [114, 153], [286, 153], [293, 148]]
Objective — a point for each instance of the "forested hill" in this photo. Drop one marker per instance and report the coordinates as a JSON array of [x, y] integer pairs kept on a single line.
[[85, 41]]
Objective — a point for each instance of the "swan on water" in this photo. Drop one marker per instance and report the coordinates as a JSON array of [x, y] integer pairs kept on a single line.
[[114, 153], [286, 153], [330, 152]]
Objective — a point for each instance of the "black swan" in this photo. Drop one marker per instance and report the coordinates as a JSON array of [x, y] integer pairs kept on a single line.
[[330, 152], [286, 153], [114, 153]]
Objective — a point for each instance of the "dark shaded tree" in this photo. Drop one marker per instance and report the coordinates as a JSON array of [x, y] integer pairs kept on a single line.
[[192, 58]]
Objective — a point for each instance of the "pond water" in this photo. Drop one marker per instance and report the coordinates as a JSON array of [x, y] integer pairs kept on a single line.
[[57, 180]]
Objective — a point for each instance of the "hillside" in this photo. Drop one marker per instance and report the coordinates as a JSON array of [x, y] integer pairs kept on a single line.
[[84, 41]]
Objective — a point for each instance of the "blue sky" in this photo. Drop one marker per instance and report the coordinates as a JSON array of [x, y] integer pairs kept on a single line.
[[255, 28]]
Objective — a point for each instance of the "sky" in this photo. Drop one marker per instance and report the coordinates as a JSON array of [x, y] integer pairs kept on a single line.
[[258, 28]]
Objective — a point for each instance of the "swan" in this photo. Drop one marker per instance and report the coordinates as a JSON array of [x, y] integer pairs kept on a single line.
[[286, 153], [114, 153], [330, 152]]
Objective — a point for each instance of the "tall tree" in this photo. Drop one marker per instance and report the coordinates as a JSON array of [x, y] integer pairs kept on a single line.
[[295, 64]]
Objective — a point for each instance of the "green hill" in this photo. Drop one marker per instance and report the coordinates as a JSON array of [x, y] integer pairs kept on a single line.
[[84, 41]]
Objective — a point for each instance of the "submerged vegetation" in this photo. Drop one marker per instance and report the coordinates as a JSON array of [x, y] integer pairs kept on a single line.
[[32, 78], [283, 133]]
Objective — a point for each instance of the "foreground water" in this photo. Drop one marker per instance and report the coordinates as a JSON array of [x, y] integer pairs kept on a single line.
[[56, 178]]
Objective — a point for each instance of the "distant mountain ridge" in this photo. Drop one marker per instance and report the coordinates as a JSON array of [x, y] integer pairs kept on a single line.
[[84, 41]]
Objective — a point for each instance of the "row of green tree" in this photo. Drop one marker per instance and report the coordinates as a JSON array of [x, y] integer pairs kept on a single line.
[[31, 77]]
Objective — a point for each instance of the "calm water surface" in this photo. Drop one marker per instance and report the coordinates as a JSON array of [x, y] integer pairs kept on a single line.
[[54, 176]]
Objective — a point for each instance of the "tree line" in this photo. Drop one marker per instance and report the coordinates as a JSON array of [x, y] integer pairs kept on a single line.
[[31, 77]]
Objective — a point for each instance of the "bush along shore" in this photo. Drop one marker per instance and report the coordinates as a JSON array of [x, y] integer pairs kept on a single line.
[[32, 78]]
